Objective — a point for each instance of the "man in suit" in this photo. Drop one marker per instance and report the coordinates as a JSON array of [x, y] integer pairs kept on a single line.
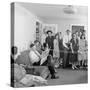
[[49, 41], [66, 44]]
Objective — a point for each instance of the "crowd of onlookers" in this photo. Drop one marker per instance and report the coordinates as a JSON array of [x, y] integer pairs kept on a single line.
[[70, 50]]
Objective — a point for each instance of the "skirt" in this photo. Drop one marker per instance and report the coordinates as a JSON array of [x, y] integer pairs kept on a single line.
[[56, 54], [83, 55], [73, 57]]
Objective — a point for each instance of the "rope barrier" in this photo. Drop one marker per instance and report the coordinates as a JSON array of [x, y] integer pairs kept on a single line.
[[68, 51]]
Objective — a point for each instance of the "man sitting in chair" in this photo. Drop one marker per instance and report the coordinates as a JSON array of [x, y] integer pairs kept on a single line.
[[34, 54], [36, 59]]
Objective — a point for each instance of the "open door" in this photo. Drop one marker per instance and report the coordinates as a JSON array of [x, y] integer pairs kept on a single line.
[[76, 28]]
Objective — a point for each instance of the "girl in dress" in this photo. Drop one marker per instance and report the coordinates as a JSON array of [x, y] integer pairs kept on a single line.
[[56, 53], [74, 49], [78, 35], [34, 55], [61, 48], [82, 51]]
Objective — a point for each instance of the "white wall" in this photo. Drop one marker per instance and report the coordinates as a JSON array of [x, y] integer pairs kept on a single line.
[[65, 23], [25, 26]]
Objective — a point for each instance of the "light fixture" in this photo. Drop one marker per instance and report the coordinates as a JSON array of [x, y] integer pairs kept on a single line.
[[70, 9]]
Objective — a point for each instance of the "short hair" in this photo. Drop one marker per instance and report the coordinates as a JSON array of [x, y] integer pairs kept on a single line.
[[36, 41], [82, 35], [82, 30], [13, 49], [31, 45], [67, 30], [73, 34]]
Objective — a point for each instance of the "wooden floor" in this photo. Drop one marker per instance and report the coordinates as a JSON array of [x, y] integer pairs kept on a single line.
[[69, 76]]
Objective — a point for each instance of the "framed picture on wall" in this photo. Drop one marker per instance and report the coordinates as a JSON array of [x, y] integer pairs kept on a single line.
[[38, 30], [52, 27], [77, 28]]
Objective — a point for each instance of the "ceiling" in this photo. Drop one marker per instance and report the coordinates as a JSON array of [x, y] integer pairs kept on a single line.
[[50, 11]]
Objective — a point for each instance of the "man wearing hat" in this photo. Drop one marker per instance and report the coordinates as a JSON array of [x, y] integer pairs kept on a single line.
[[66, 44], [49, 41]]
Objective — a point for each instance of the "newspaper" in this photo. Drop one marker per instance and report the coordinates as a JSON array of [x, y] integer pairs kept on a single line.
[[30, 80], [44, 56]]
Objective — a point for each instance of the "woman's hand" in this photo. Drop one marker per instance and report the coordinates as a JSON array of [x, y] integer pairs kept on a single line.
[[72, 51]]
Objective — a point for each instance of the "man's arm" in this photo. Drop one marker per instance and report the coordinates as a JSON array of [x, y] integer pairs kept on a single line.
[[64, 42], [71, 46], [46, 40]]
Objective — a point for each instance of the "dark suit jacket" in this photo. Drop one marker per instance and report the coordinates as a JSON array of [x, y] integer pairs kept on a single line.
[[49, 41]]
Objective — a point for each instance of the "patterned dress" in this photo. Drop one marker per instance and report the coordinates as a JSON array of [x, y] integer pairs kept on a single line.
[[61, 48], [56, 49], [74, 55], [82, 50]]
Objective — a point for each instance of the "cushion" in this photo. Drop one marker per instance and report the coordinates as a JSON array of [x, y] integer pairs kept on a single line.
[[27, 80], [42, 70], [24, 58], [30, 80], [45, 73], [19, 72]]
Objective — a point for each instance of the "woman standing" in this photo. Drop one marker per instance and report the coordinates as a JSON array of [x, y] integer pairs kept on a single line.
[[56, 53], [74, 49], [61, 49], [82, 51]]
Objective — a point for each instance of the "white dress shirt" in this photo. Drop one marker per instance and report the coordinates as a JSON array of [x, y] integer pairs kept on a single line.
[[33, 56], [66, 39]]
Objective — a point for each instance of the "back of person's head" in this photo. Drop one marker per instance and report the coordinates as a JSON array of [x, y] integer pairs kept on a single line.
[[14, 50]]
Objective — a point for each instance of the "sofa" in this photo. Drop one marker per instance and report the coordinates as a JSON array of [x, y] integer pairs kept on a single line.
[[24, 59], [22, 79]]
